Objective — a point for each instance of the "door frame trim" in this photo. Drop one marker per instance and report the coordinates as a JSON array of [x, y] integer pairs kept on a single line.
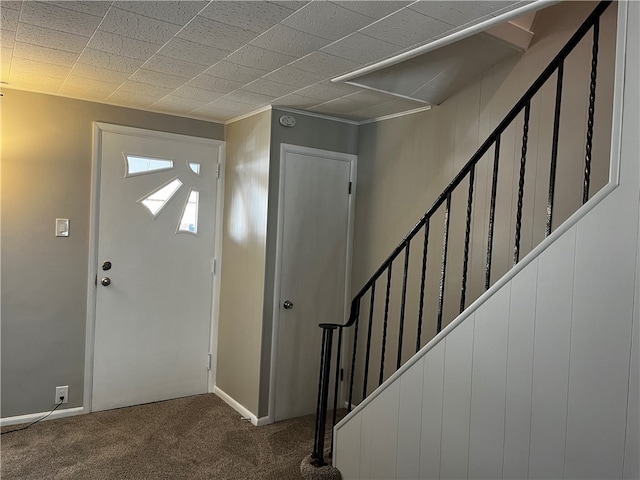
[[352, 159], [94, 216]]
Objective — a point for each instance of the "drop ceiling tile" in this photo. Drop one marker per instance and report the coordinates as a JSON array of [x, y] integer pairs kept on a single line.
[[214, 83], [7, 38], [233, 71], [192, 52], [326, 20], [109, 60], [144, 89], [259, 58], [215, 34], [5, 63], [326, 91], [294, 77], [83, 70], [93, 7], [294, 100], [406, 28], [373, 9], [173, 66], [177, 12], [286, 40], [222, 111], [46, 37], [369, 97], [83, 93], [9, 19], [291, 4], [232, 106], [157, 78], [37, 81], [12, 4], [323, 63], [131, 100], [254, 16], [39, 68], [175, 104], [338, 106], [388, 108], [130, 47], [459, 12], [98, 85], [361, 48], [199, 94], [267, 87], [61, 19], [506, 6], [139, 27], [44, 54], [251, 98]]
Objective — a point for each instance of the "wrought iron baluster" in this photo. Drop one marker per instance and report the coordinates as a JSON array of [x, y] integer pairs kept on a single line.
[[337, 384], [443, 270], [423, 280], [353, 355], [323, 395], [384, 327], [554, 150], [492, 213], [403, 303], [318, 440], [592, 108], [523, 162], [467, 234], [366, 361]]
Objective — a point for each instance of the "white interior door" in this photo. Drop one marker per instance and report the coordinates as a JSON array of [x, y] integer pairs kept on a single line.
[[313, 246], [157, 205]]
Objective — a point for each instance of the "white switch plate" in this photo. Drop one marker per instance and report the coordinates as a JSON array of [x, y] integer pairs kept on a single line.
[[62, 227]]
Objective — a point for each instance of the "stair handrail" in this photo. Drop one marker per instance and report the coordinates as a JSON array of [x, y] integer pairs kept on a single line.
[[557, 64]]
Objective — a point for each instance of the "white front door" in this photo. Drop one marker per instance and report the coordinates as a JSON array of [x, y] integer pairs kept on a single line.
[[156, 230], [313, 249]]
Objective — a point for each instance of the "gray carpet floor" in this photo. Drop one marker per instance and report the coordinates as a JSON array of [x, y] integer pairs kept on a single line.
[[197, 437]]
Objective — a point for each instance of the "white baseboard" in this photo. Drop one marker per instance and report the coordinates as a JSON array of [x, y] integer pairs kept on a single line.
[[31, 417], [241, 409]]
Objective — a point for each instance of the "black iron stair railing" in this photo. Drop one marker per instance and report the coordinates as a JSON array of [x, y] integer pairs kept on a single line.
[[523, 106]]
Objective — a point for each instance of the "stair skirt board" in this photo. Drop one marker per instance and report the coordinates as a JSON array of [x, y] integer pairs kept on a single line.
[[567, 225]]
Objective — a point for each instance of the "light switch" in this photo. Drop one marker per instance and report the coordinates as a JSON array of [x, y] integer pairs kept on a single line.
[[62, 227]]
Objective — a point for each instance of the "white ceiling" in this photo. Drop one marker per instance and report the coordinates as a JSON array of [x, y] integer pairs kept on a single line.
[[218, 60]]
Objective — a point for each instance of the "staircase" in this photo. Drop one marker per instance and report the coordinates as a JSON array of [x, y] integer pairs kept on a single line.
[[483, 396]]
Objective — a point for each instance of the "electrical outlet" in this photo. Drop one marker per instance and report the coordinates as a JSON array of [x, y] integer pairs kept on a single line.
[[62, 392]]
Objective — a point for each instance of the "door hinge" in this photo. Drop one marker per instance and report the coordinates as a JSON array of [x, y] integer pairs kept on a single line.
[[350, 185], [214, 265], [209, 361], [217, 170], [341, 374]]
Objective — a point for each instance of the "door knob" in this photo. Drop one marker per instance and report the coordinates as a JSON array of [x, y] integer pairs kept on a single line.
[[105, 281], [106, 265], [288, 304]]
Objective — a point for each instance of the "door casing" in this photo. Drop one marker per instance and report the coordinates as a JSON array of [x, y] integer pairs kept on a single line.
[[98, 128], [352, 159]]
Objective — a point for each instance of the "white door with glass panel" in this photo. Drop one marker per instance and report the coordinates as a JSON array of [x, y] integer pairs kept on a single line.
[[156, 231]]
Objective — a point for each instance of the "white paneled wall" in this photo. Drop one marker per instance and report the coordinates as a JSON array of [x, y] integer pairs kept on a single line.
[[540, 379]]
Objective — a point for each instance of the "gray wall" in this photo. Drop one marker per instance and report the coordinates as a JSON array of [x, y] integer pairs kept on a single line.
[[311, 132], [46, 173], [243, 259], [405, 163]]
